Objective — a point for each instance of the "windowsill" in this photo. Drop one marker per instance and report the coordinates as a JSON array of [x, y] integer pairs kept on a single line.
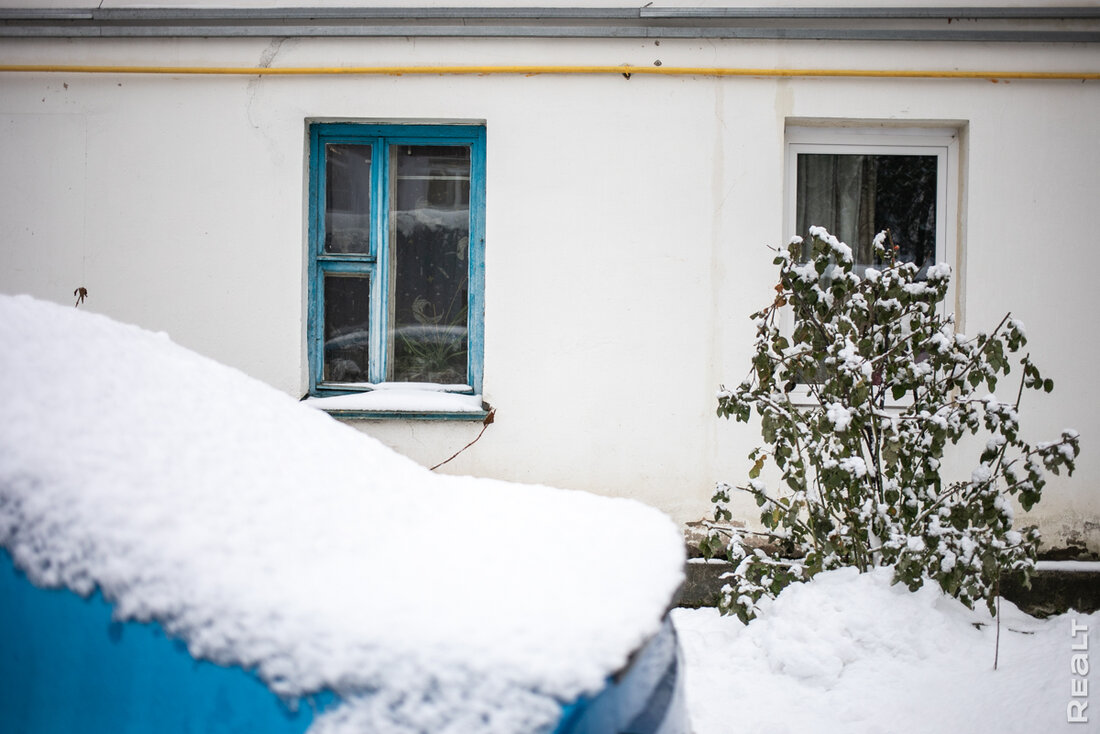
[[402, 403]]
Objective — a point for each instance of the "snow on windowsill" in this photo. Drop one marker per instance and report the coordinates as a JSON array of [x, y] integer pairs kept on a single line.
[[406, 399]]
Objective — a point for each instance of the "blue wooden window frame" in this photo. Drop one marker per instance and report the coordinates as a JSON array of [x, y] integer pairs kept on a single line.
[[376, 264]]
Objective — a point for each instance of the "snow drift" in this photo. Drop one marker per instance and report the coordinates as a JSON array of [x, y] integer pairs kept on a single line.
[[267, 535]]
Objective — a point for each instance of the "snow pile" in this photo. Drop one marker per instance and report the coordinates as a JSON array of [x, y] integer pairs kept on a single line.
[[849, 653], [267, 535], [389, 397]]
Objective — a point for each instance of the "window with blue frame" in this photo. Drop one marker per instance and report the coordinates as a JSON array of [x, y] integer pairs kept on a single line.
[[396, 241]]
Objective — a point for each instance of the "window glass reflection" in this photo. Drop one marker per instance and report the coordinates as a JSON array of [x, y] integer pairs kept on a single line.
[[857, 196], [347, 198], [430, 229], [347, 328]]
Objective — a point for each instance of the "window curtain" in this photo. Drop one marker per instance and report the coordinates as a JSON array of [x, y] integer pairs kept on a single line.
[[837, 192]]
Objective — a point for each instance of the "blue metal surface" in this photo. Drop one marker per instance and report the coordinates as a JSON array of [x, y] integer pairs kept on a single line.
[[645, 698], [66, 667]]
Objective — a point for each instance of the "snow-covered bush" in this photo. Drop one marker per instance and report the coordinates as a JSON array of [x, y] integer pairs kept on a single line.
[[886, 385]]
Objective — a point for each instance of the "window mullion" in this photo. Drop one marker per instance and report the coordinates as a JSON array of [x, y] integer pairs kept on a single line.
[[380, 207], [316, 308], [476, 264]]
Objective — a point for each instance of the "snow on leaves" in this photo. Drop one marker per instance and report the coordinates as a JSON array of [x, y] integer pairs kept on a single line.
[[892, 386]]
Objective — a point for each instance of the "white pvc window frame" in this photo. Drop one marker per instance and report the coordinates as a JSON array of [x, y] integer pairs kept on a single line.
[[855, 139]]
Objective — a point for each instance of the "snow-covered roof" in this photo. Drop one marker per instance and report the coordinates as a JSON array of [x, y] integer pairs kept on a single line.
[[265, 534]]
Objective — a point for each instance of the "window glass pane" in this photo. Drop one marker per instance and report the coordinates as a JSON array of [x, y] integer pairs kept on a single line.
[[347, 198], [347, 328], [430, 229], [857, 196]]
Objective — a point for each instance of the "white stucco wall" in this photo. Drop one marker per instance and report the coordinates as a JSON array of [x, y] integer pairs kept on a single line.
[[627, 226]]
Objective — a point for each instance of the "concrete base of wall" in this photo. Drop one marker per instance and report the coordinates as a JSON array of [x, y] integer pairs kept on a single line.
[[1051, 592]]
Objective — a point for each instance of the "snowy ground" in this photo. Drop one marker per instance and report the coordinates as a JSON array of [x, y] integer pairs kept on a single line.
[[851, 653]]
